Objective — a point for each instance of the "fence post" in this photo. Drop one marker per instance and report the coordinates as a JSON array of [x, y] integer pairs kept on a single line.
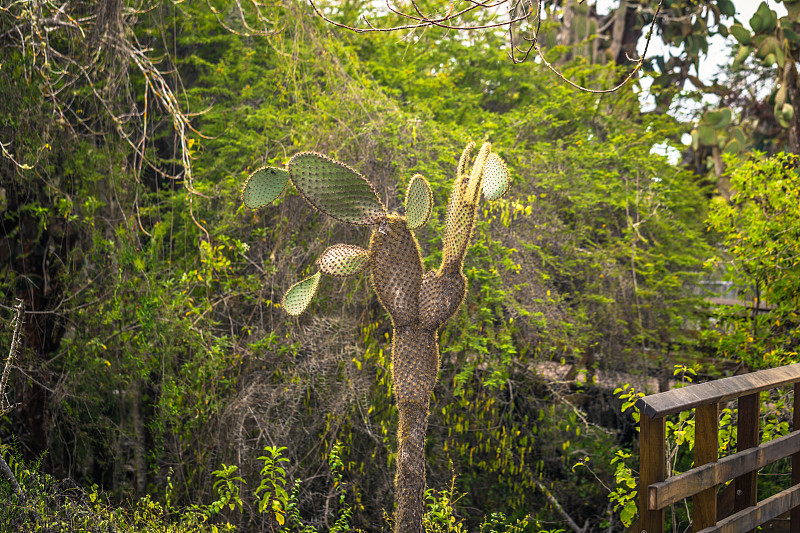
[[749, 410], [652, 469], [706, 450], [795, 520]]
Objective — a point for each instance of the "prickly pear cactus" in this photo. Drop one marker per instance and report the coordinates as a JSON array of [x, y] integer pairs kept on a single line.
[[418, 302]]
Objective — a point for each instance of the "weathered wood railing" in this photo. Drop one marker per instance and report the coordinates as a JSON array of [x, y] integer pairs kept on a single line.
[[657, 492]]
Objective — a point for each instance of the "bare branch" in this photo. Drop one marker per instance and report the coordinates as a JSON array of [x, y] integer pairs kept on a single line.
[[5, 406], [520, 12], [16, 340]]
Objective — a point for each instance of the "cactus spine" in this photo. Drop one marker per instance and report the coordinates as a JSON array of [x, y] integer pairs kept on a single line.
[[418, 303]]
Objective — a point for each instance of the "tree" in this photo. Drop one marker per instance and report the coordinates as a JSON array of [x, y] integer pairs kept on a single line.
[[418, 303], [759, 254]]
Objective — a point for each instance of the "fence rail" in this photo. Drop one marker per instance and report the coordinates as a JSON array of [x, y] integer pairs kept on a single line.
[[701, 482]]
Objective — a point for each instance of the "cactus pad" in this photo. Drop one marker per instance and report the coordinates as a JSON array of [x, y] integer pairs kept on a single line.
[[300, 294], [335, 189], [343, 260], [264, 186], [419, 202], [496, 178]]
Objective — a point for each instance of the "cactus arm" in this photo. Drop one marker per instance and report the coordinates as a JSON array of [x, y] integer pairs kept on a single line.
[[461, 212], [343, 260], [299, 295], [462, 162], [264, 186], [335, 189]]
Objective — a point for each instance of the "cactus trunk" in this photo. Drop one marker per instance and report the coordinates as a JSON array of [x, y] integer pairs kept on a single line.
[[415, 365], [418, 305]]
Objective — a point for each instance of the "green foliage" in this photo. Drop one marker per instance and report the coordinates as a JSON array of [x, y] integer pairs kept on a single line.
[[227, 488], [759, 257], [273, 484], [592, 256], [53, 505]]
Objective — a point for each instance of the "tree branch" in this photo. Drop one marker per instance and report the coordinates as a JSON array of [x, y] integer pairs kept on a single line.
[[16, 340]]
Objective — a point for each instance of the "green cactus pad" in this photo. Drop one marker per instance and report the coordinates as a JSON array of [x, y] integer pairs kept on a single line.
[[342, 260], [419, 202], [300, 294], [496, 178], [264, 186], [335, 189], [706, 135], [719, 119]]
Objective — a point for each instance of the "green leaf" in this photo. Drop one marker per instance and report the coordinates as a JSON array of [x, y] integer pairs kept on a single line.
[[300, 294], [496, 178], [741, 55], [756, 22], [726, 7], [335, 189], [628, 512], [741, 34], [343, 260], [780, 96], [792, 36], [419, 202], [788, 111], [264, 186]]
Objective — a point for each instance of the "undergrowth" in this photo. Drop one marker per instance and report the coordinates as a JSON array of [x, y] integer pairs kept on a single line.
[[50, 505]]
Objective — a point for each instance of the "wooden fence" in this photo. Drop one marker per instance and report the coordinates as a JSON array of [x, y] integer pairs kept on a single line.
[[701, 483]]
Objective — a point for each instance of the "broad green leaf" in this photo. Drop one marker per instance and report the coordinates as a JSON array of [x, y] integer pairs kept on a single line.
[[343, 260], [741, 34], [335, 189], [496, 178], [300, 294], [264, 186], [419, 202]]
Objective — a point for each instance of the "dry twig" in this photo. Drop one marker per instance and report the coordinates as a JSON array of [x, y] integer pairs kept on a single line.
[[5, 406], [520, 14]]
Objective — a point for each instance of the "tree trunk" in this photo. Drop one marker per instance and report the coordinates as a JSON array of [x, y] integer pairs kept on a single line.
[[790, 78], [139, 440]]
